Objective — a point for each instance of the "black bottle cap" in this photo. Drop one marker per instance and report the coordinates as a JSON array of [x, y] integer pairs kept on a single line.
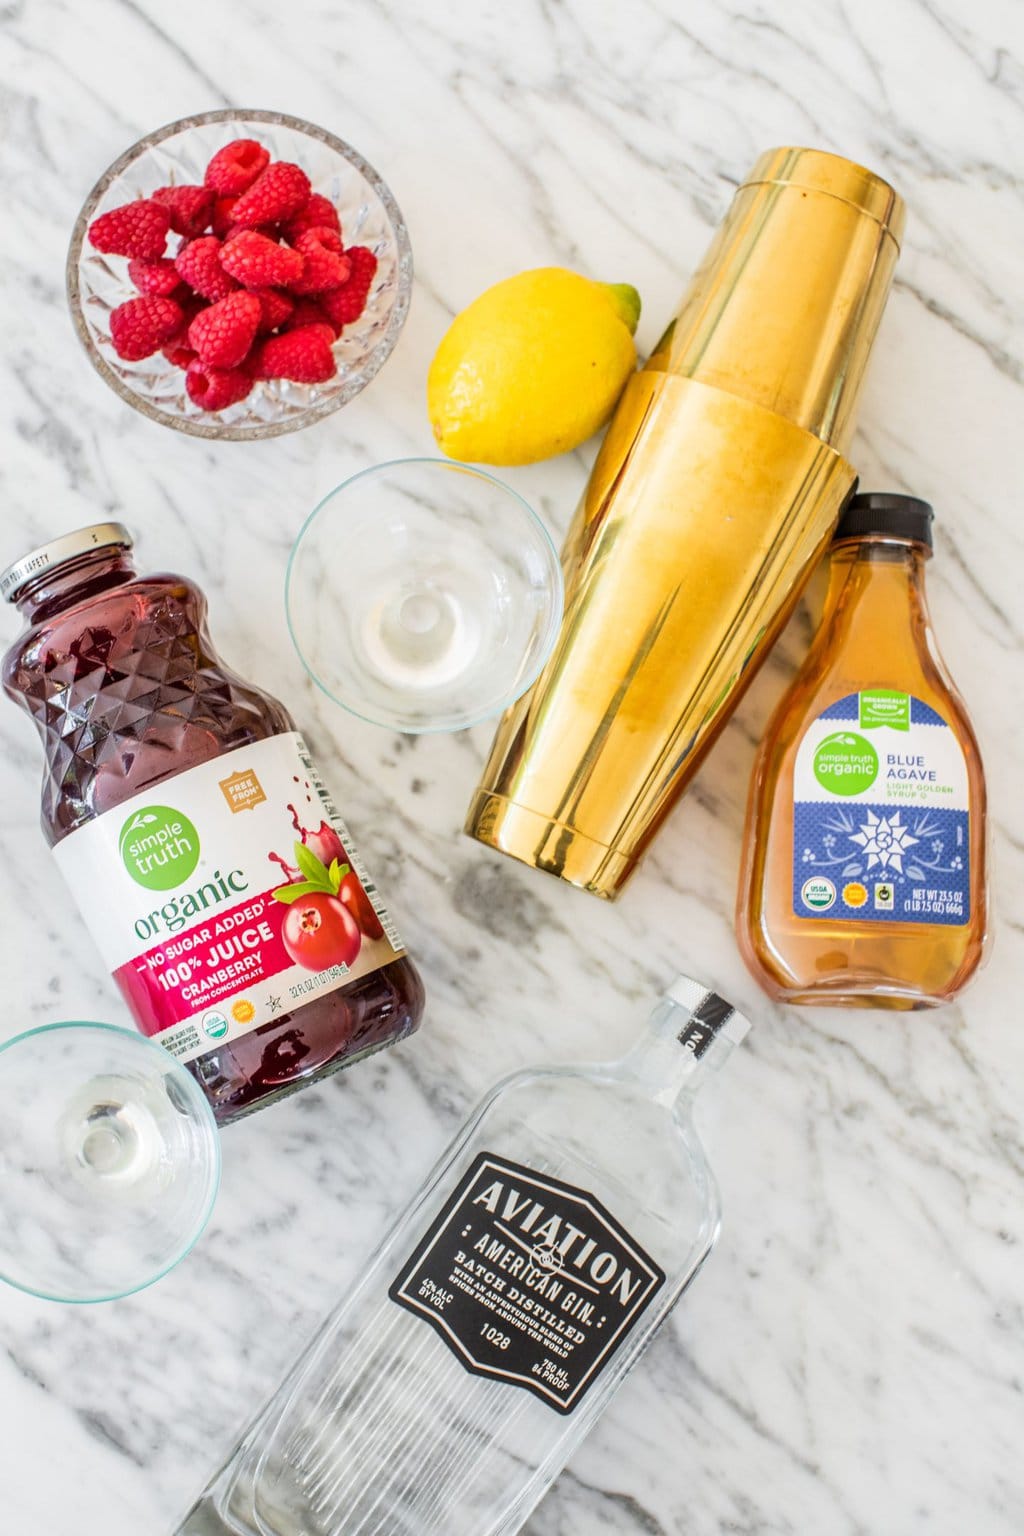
[[902, 517]]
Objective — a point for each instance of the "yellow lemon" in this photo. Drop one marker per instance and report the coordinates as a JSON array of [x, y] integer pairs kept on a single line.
[[533, 367]]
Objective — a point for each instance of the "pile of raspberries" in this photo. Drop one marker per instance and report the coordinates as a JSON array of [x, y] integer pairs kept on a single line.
[[259, 287]]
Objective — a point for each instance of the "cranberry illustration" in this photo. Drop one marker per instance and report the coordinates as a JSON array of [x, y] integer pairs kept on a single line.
[[318, 931], [359, 904], [326, 845]]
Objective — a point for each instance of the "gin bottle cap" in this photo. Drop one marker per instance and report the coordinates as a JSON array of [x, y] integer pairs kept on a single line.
[[711, 1017]]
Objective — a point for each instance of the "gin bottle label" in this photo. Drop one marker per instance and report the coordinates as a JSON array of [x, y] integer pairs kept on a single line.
[[528, 1280]]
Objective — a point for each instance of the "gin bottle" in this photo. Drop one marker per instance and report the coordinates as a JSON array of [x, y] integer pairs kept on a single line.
[[448, 1390]]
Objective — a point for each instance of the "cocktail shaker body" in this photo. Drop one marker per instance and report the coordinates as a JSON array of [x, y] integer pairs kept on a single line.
[[717, 487]]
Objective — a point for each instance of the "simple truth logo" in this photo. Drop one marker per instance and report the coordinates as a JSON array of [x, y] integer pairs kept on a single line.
[[159, 847]]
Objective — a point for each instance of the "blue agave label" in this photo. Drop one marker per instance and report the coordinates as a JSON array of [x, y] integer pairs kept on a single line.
[[880, 814]]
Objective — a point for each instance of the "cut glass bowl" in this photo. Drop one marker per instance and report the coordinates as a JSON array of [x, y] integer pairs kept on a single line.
[[178, 154]]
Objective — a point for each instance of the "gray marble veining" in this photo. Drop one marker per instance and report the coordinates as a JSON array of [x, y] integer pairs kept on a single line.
[[851, 1361]]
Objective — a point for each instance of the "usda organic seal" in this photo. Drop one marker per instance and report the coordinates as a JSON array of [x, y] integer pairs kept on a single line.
[[818, 893], [215, 1024]]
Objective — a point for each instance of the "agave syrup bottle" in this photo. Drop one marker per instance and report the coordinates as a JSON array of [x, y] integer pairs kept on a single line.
[[863, 878], [448, 1390]]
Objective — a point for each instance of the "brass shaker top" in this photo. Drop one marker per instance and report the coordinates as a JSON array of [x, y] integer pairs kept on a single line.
[[784, 308]]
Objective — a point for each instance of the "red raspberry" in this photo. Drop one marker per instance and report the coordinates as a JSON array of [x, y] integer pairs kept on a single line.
[[190, 208], [134, 229], [345, 304], [325, 267], [276, 307], [177, 349], [274, 196], [223, 334], [364, 265], [160, 276], [259, 262], [268, 231], [223, 215], [199, 264], [306, 312], [318, 213], [235, 167], [190, 304], [304, 355], [214, 389], [142, 326], [179, 355], [329, 238]]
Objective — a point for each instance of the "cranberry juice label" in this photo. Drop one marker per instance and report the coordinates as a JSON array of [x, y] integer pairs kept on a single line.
[[228, 896], [528, 1280], [881, 819]]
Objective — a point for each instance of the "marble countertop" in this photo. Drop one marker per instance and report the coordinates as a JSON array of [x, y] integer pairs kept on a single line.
[[850, 1362]]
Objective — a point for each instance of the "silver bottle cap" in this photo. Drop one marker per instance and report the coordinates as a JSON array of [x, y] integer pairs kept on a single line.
[[67, 547], [711, 1017]]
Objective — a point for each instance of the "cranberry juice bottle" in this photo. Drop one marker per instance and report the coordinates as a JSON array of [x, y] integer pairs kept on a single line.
[[210, 864]]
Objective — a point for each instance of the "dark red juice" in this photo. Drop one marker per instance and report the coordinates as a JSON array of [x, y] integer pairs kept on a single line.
[[209, 861]]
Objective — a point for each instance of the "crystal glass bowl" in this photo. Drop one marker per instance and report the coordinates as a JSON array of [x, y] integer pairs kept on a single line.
[[178, 154], [424, 595]]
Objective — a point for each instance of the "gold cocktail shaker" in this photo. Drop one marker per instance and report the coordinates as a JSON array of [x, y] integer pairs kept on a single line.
[[716, 489]]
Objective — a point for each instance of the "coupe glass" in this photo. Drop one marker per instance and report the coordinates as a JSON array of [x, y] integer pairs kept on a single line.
[[424, 595], [178, 154], [109, 1162]]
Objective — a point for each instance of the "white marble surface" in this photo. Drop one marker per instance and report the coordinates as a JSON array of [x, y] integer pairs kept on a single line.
[[851, 1361]]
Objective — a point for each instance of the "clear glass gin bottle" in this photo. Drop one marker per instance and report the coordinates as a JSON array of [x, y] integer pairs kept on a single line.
[[448, 1390]]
